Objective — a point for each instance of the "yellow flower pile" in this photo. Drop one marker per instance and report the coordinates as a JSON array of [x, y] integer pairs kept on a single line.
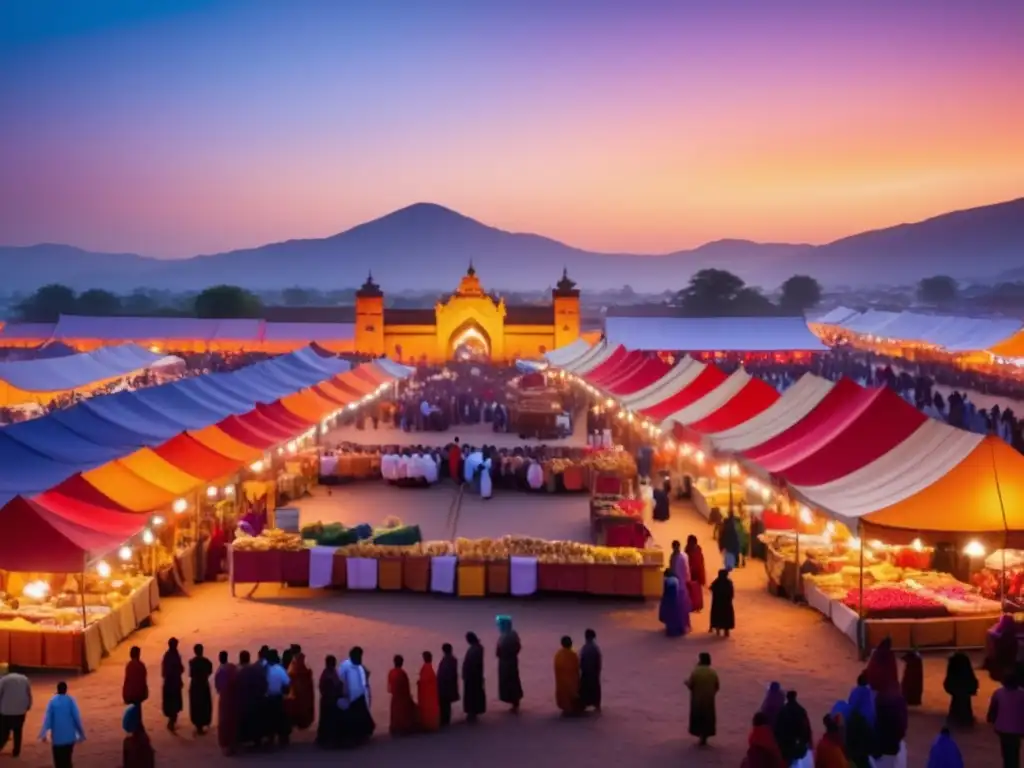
[[271, 539]]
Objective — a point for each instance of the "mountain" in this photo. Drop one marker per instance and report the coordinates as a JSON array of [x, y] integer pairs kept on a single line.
[[429, 246]]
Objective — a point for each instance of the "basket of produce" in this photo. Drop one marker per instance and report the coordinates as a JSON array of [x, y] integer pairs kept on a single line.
[[894, 602], [402, 536]]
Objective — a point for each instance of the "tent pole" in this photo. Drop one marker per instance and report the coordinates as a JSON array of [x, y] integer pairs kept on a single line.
[[860, 599]]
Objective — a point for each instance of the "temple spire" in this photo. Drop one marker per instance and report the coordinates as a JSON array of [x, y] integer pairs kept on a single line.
[[471, 271]]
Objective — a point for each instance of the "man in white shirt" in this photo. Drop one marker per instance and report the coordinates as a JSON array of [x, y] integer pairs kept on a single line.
[[277, 688], [15, 702], [359, 725]]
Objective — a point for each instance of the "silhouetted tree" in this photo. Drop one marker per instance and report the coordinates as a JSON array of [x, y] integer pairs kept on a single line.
[[799, 294], [750, 302], [940, 290], [98, 303], [297, 297], [140, 302], [47, 304], [223, 301], [711, 292]]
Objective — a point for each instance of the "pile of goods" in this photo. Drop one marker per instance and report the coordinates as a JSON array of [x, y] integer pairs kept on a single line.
[[271, 539], [894, 602], [391, 534], [554, 551], [993, 581], [612, 463], [56, 600], [918, 595], [613, 505]]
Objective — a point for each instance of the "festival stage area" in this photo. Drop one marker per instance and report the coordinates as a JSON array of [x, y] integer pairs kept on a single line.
[[470, 434], [646, 703]]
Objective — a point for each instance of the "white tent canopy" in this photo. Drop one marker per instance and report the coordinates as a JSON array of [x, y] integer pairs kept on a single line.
[[713, 334], [794, 404], [921, 460], [590, 359], [678, 379], [836, 316], [564, 355]]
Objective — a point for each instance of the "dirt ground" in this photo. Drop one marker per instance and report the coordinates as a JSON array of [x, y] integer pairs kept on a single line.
[[645, 718]]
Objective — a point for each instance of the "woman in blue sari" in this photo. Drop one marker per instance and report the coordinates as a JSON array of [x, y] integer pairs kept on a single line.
[[673, 612]]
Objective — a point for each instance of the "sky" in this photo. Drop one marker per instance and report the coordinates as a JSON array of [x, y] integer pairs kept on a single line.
[[198, 126]]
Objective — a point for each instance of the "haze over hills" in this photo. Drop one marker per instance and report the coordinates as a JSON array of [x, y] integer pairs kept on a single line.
[[428, 246]]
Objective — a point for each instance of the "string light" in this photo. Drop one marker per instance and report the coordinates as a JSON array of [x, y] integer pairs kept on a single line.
[[125, 553], [179, 506], [256, 466], [212, 491], [157, 521], [916, 545], [103, 569], [148, 537], [974, 549]]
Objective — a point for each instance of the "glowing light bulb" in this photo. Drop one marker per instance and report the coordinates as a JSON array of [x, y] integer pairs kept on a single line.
[[806, 517], [103, 569], [670, 444], [148, 537], [125, 553], [609, 403], [179, 506], [855, 543], [157, 521], [212, 491], [256, 466], [292, 447], [974, 549], [229, 491], [916, 545], [830, 528]]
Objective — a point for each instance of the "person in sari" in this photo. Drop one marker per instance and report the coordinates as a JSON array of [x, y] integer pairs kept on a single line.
[[136, 749], [474, 696], [455, 461], [403, 708], [590, 672], [331, 690], [704, 687], [762, 751], [891, 720], [428, 705], [830, 753], [510, 687], [912, 684], [774, 700], [860, 723], [723, 614], [226, 682], [135, 689], [882, 671], [173, 671], [299, 704], [793, 730], [447, 683], [670, 610], [567, 678], [252, 693], [944, 752], [698, 573], [962, 685], [357, 722], [200, 700]]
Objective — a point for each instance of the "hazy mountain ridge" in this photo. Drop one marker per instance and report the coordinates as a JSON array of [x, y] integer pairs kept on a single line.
[[426, 245]]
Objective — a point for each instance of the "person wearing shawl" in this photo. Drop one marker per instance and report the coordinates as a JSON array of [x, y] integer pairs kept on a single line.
[[299, 703], [671, 611], [455, 461], [200, 700], [427, 702], [860, 723], [774, 700], [252, 693], [723, 615], [226, 683], [590, 672], [403, 708], [962, 685], [474, 695], [829, 752], [882, 672], [704, 686], [762, 751], [567, 678], [698, 574], [793, 730], [447, 683], [357, 722], [1003, 658], [331, 690], [912, 684], [1006, 715], [173, 671], [510, 687], [136, 749], [135, 689], [890, 727], [944, 752], [729, 541]]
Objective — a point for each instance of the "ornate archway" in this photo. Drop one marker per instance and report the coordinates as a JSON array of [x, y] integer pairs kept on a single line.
[[469, 341]]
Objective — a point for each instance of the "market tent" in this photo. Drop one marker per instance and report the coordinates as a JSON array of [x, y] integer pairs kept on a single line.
[[794, 404], [201, 388], [181, 405], [614, 368], [308, 406], [313, 345], [709, 377], [196, 459], [565, 355], [713, 334], [710, 402], [752, 399], [393, 369], [685, 371], [55, 536], [125, 435], [941, 479], [219, 441], [48, 437], [840, 398], [877, 421], [127, 409], [24, 471], [277, 413], [1010, 347], [252, 430], [26, 334], [591, 359], [52, 349], [151, 467], [872, 322], [836, 316], [121, 487], [638, 377]]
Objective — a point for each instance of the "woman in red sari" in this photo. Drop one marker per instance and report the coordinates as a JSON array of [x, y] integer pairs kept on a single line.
[[428, 704], [698, 576], [882, 672], [403, 708], [225, 681], [300, 700]]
